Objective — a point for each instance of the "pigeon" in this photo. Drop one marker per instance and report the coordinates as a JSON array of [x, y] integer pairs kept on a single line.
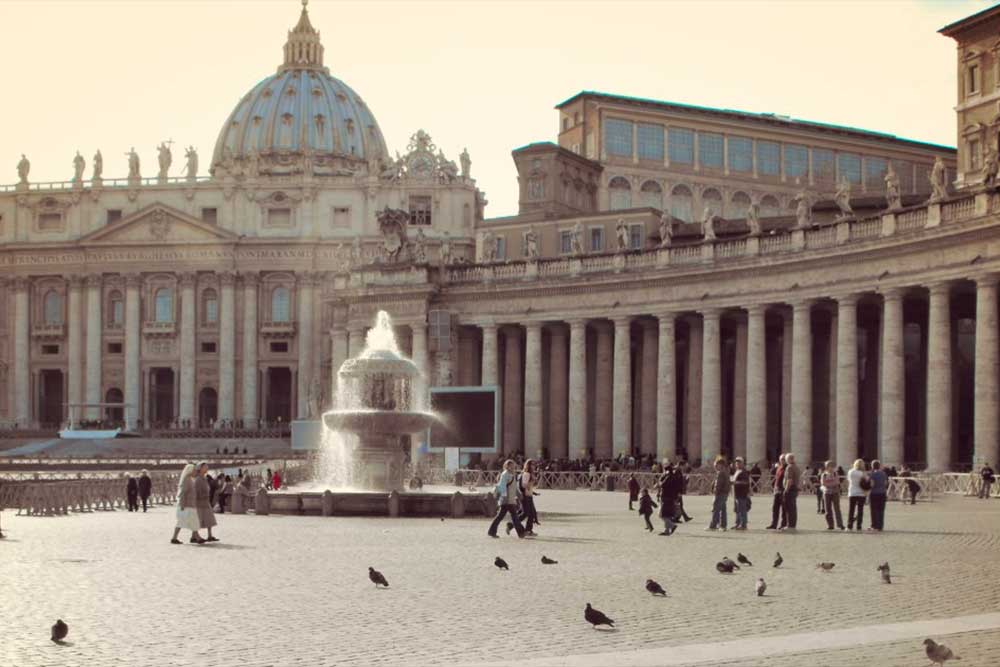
[[377, 577], [826, 567], [596, 618], [884, 567], [655, 588], [761, 587], [885, 577], [730, 563], [779, 560], [60, 630], [501, 563], [548, 561], [938, 653], [724, 568], [743, 559]]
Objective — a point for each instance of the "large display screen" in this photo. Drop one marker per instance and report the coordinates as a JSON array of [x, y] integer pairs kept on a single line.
[[468, 418]]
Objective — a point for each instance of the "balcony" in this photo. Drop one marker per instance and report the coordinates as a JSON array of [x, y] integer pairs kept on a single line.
[[278, 330], [159, 329], [48, 331]]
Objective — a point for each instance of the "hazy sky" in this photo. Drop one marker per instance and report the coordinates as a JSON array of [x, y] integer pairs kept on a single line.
[[486, 75]]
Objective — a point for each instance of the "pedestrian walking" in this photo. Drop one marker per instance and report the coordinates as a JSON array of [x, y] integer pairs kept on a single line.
[[526, 482], [817, 489], [145, 488], [224, 493], [206, 517], [912, 486], [646, 505], [857, 481], [633, 490], [276, 480], [507, 493], [187, 507], [792, 479], [132, 493], [671, 486], [830, 483], [741, 494], [681, 482], [877, 496], [988, 477], [720, 489], [777, 488], [268, 480]]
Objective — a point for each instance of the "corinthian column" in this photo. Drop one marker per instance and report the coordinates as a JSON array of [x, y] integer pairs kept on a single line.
[[513, 379], [891, 392], [847, 380], [622, 398], [94, 331], [603, 439], [558, 448], [756, 397], [666, 389], [801, 426], [75, 343], [692, 411], [711, 386], [304, 333], [132, 323], [985, 436], [227, 346], [491, 372], [22, 368], [187, 380], [647, 376], [939, 379], [533, 389], [577, 423], [249, 384]]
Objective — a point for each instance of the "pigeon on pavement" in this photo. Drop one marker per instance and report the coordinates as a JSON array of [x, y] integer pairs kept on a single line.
[[761, 587], [743, 559], [377, 577], [59, 631], [548, 561], [596, 618], [723, 567], [885, 577], [938, 653], [826, 567], [501, 563], [730, 563], [884, 567], [779, 560], [655, 588]]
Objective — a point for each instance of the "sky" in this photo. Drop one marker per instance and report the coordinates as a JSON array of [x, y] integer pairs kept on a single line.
[[81, 75]]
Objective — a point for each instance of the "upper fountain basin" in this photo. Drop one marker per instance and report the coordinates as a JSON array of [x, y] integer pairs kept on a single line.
[[378, 421]]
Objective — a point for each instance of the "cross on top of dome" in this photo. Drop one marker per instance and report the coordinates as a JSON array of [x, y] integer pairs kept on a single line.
[[303, 49]]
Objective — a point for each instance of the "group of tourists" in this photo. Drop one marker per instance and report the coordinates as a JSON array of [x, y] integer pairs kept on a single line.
[[515, 493], [194, 505], [136, 489]]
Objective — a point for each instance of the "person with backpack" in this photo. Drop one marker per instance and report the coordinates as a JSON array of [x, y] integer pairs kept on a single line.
[[857, 486], [507, 493]]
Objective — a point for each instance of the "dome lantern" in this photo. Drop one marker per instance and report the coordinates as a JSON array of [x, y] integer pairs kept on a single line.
[[303, 50]]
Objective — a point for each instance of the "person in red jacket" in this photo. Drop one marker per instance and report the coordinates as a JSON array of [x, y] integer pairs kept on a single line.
[[276, 480]]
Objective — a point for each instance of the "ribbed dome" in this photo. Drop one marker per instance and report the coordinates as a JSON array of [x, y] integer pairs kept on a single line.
[[301, 109]]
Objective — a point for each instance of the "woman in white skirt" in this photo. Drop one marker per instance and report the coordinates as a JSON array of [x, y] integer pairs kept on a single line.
[[187, 510]]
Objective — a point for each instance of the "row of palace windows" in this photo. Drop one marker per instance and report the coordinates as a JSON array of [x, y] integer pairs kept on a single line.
[[740, 152], [163, 306], [682, 200]]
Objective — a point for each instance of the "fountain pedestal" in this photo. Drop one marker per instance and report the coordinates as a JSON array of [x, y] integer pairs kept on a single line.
[[384, 461]]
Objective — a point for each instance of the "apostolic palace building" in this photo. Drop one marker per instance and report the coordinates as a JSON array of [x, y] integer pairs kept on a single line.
[[679, 280]]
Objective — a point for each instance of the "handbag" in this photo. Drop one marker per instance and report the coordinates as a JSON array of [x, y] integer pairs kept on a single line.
[[866, 483]]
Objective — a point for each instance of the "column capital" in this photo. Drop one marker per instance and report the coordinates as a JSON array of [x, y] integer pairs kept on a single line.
[[577, 323], [94, 279], [622, 321], [250, 278], [187, 279], [892, 293], [847, 300], [756, 310], [75, 280], [226, 278], [986, 280], [307, 278], [803, 304], [132, 279], [533, 324], [21, 283], [710, 313], [666, 316], [940, 287]]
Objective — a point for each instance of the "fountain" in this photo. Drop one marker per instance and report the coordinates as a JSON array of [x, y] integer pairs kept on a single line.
[[381, 397]]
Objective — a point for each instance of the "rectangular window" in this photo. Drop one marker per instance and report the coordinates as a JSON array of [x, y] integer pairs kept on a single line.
[[618, 137], [114, 348], [849, 166], [875, 168], [50, 222], [439, 330], [50, 349], [650, 142], [341, 216], [796, 161], [973, 154], [710, 150], [208, 348], [279, 217], [113, 215], [420, 209], [566, 242], [824, 165], [210, 215], [741, 154], [681, 145], [117, 311], [921, 180], [635, 237], [973, 79], [501, 248], [596, 239], [904, 170], [768, 158], [279, 347], [211, 310]]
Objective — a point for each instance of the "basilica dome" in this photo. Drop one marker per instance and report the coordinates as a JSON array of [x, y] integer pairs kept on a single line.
[[300, 110]]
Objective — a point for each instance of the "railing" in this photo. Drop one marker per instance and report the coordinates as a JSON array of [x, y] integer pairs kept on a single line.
[[554, 267], [685, 254], [599, 263], [958, 209], [508, 271], [824, 237], [56, 186], [911, 220], [638, 260], [866, 228], [735, 248], [775, 243]]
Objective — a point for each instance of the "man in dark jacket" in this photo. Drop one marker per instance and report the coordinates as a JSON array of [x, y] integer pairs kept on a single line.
[[778, 505], [132, 493], [145, 488]]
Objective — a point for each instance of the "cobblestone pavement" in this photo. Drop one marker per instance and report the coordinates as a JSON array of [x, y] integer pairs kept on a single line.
[[294, 590]]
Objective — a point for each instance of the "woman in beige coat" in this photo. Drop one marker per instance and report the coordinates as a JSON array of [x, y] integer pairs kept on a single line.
[[187, 511], [202, 493]]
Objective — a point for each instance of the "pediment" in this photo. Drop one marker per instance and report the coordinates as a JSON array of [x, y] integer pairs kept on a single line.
[[158, 224]]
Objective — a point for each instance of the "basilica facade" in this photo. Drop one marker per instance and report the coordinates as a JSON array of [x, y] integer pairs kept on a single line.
[[678, 281]]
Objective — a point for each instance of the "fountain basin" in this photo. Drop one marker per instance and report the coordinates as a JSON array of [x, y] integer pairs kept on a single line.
[[378, 421], [373, 503]]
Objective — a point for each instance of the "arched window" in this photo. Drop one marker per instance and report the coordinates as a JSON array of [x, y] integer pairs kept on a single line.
[[739, 205], [53, 308], [208, 407], [281, 306], [769, 207], [164, 305], [652, 194], [711, 199], [620, 193], [116, 308], [209, 306], [681, 203]]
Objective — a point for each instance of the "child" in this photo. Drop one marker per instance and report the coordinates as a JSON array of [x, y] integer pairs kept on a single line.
[[633, 490], [646, 506]]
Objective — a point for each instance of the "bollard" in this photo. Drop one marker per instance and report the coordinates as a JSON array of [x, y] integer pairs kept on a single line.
[[261, 503], [394, 504], [239, 504], [457, 505], [328, 503]]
